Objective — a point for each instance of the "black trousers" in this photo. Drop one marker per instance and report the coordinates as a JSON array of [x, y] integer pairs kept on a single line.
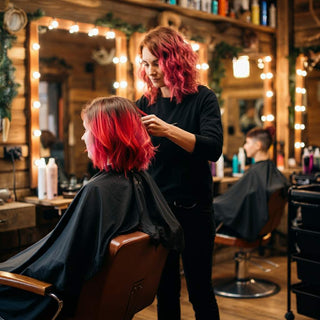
[[199, 232]]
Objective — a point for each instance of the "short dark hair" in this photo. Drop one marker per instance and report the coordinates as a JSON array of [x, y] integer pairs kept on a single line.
[[264, 135]]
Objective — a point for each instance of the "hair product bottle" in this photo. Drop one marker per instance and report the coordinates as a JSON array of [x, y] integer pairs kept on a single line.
[[316, 159], [223, 7], [264, 13], [42, 187], [255, 12], [241, 160], [305, 161], [220, 167], [272, 16], [52, 179], [215, 7], [235, 164]]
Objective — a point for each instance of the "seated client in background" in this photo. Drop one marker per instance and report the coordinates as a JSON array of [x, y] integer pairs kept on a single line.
[[243, 209], [121, 198]]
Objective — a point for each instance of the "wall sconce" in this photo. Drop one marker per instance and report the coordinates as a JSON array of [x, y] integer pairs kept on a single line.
[[241, 67]]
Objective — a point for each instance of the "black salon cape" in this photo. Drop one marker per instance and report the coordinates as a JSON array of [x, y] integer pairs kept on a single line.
[[243, 209], [109, 205]]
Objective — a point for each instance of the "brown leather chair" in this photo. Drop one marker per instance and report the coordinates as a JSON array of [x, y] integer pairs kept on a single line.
[[127, 283], [242, 285]]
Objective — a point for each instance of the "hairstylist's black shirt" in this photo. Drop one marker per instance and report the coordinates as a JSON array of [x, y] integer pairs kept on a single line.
[[181, 175]]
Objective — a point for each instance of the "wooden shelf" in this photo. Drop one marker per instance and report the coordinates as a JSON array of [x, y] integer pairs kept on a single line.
[[199, 14]]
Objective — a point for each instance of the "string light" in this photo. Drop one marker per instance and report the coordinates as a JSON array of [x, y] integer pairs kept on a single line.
[[115, 60], [123, 59], [301, 90], [269, 118], [267, 59], [74, 28], [302, 73], [36, 75], [140, 85], [123, 84], [116, 85], [300, 108], [138, 59], [36, 104], [37, 162], [36, 46], [204, 66], [299, 126], [195, 46], [53, 25], [269, 93], [299, 145], [37, 133], [93, 32], [110, 35]]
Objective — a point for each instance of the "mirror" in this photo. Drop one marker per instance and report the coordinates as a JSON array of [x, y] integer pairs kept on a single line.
[[66, 71], [245, 102]]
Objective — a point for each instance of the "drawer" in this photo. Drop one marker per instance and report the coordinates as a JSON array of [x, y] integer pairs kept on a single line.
[[17, 215]]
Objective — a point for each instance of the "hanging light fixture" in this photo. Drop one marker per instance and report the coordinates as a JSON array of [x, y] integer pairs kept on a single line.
[[241, 67]]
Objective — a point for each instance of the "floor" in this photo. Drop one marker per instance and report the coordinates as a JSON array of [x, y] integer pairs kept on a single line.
[[269, 308]]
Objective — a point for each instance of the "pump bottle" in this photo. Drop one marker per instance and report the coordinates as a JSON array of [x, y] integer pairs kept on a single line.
[[241, 160]]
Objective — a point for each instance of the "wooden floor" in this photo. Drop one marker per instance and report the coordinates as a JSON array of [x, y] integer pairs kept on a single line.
[[270, 308]]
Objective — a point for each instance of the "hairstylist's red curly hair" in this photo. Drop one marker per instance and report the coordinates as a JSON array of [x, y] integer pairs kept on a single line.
[[176, 59], [120, 138]]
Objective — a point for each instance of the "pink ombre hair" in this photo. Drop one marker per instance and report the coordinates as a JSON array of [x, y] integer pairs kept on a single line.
[[119, 137], [176, 59]]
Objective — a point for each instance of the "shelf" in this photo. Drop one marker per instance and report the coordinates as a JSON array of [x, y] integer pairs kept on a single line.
[[199, 14]]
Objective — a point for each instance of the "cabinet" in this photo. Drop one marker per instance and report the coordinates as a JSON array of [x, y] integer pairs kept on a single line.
[[304, 249]]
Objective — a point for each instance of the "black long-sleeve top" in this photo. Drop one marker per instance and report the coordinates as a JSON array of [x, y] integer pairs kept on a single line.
[[180, 175]]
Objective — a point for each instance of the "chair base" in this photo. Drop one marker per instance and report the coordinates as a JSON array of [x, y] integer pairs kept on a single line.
[[242, 289]]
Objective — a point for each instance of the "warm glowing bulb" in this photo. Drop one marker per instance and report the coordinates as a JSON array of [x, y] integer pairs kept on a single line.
[[195, 46], [36, 104], [74, 28], [263, 118], [138, 60], [269, 94], [115, 60], [36, 46], [53, 25], [140, 85], [198, 66], [269, 75], [299, 145], [241, 67], [267, 59], [204, 66], [123, 84], [36, 75], [93, 32], [263, 76], [123, 59], [37, 162], [116, 85], [110, 35], [270, 117], [37, 133]]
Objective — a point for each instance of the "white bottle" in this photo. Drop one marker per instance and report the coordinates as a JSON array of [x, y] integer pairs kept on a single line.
[[241, 160], [184, 3], [52, 179], [42, 186], [272, 16], [220, 167]]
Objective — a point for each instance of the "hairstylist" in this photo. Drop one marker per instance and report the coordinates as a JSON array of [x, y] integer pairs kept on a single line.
[[183, 119]]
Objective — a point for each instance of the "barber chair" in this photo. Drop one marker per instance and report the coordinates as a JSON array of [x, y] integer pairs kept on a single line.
[[126, 284], [242, 285]]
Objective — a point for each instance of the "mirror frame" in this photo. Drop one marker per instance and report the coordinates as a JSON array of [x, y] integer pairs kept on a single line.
[[33, 66]]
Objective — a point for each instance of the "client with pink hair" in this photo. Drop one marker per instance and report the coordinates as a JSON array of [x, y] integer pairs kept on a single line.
[[120, 199]]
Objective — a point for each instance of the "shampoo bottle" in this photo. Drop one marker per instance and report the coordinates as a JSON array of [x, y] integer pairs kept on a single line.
[[52, 179], [42, 187], [264, 13]]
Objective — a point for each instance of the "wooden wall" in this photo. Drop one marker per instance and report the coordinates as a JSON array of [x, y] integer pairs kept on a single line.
[[198, 24], [18, 134]]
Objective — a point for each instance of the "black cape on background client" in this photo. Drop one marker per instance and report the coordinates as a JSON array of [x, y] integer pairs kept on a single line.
[[109, 205], [243, 209]]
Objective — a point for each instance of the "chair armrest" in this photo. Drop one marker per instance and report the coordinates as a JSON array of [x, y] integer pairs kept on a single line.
[[24, 283]]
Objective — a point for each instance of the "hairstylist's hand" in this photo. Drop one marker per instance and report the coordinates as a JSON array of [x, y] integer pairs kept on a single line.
[[160, 128], [155, 126]]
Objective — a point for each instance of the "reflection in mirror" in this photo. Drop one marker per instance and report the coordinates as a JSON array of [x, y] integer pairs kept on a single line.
[[245, 104], [74, 68]]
